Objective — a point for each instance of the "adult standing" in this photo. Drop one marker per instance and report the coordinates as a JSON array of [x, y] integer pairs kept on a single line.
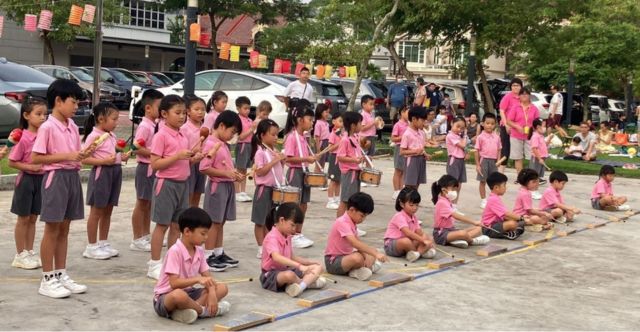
[[299, 89], [509, 101], [520, 120], [434, 97], [421, 93], [398, 97], [555, 107]]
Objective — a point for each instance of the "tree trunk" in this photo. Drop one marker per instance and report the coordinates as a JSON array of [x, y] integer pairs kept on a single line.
[[487, 97], [214, 46], [48, 46], [399, 63]]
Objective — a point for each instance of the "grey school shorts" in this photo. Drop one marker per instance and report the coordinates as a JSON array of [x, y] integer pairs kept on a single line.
[[595, 203], [334, 266], [323, 159], [170, 199], [243, 156], [399, 162], [440, 235], [333, 173], [269, 279], [104, 186], [457, 169], [487, 166], [372, 147], [220, 202], [349, 184], [27, 195], [295, 177], [390, 248], [262, 204], [161, 310], [536, 166], [415, 173], [498, 231], [61, 196], [144, 183], [196, 180], [520, 149]]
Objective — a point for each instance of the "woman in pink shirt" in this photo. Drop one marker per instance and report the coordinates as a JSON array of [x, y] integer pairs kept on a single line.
[[537, 219], [404, 237], [336, 136], [191, 130], [216, 105], [509, 101], [349, 157], [321, 134], [281, 270], [399, 161], [520, 120], [602, 197], [456, 142], [443, 193]]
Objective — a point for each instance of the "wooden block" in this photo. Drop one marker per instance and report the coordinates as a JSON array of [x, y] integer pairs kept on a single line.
[[491, 250], [596, 225], [567, 232], [390, 279], [614, 219], [325, 296], [245, 321], [534, 242], [445, 262]]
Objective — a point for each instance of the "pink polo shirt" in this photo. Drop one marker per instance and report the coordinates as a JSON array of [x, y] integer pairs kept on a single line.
[[337, 244], [602, 187], [57, 137], [263, 157], [275, 242], [246, 126], [295, 145], [367, 118], [179, 262], [399, 221], [399, 128], [104, 150], [488, 145], [412, 139], [522, 118], [443, 213], [146, 131], [494, 211], [21, 152], [191, 132], [524, 202], [453, 149], [166, 143], [321, 129], [210, 119], [537, 141], [349, 148], [509, 101], [220, 160], [550, 199], [335, 138]]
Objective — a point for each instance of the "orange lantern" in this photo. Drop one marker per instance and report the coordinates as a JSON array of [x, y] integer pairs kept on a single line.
[[75, 17], [224, 51], [320, 72], [194, 32]]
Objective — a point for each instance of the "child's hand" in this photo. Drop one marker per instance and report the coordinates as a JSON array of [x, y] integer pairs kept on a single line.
[[212, 304], [304, 269], [80, 155], [477, 223], [3, 151], [198, 157], [206, 282], [184, 154], [360, 159], [125, 156], [576, 210], [110, 160], [311, 159], [382, 257], [479, 170], [428, 243], [427, 156], [280, 156], [35, 168], [238, 176]]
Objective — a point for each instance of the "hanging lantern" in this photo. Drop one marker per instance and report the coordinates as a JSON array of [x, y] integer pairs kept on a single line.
[[205, 39], [234, 53], [342, 71], [89, 13], [205, 22], [277, 66], [1, 25], [353, 72], [194, 32], [328, 69], [262, 61], [320, 72], [30, 22], [45, 20], [224, 51], [286, 66], [299, 67], [75, 17], [254, 59]]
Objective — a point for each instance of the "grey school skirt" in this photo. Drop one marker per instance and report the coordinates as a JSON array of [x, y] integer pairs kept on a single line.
[[104, 186], [334, 170], [536, 166], [415, 172], [349, 184], [243, 156], [457, 169], [220, 201], [27, 194], [262, 204], [61, 196]]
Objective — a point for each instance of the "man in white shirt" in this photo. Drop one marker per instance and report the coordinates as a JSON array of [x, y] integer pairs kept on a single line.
[[555, 111], [588, 141], [300, 89]]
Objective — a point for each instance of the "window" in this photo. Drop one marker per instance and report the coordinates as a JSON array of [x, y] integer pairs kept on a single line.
[[145, 14], [206, 81], [235, 82], [436, 56], [411, 51], [451, 92], [258, 84]]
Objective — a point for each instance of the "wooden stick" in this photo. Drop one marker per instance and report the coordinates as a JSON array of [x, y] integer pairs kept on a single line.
[[199, 142], [444, 252], [501, 160]]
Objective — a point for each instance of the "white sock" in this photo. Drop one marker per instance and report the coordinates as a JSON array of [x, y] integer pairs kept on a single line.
[[218, 251], [153, 262], [208, 252], [48, 275], [259, 248], [303, 285], [59, 273]]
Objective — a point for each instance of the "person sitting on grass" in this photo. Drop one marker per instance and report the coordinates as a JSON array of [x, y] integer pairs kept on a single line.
[[588, 141], [575, 150], [605, 139]]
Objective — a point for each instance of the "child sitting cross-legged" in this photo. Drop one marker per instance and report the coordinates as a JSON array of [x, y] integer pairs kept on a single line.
[[552, 201], [538, 219], [497, 222]]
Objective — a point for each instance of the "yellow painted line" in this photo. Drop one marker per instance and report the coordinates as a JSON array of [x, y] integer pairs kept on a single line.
[[549, 234], [117, 281]]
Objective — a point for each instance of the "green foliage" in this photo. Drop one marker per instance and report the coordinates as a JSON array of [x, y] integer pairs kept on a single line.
[[176, 28]]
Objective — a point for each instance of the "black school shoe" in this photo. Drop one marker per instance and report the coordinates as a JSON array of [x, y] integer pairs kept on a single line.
[[542, 181], [228, 261], [215, 264]]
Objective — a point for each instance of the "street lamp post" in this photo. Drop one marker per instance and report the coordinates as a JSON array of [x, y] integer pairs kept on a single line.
[[570, 88], [471, 76], [147, 65], [629, 100], [190, 50], [97, 55]]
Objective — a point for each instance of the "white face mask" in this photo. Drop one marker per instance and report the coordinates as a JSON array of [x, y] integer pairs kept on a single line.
[[452, 195]]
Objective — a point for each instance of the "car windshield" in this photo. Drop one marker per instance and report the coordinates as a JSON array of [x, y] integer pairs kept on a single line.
[[276, 79], [534, 98], [156, 80], [332, 90], [162, 78], [123, 75], [21, 73], [82, 75], [378, 89]]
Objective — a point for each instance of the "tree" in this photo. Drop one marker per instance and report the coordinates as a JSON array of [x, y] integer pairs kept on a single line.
[[264, 12], [61, 31]]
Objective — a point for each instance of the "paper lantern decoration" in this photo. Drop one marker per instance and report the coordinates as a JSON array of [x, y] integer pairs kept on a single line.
[[254, 59], [320, 72], [224, 51], [277, 66], [286, 66], [194, 32], [299, 67], [205, 39], [262, 61], [89, 13], [234, 53], [353, 71], [1, 25], [45, 20], [342, 71], [75, 16], [328, 69], [205, 23], [30, 22]]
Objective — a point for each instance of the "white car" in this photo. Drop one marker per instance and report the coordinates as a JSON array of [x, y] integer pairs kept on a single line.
[[257, 87], [538, 99]]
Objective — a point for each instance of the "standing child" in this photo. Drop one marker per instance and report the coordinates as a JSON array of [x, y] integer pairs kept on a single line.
[[456, 143], [497, 222], [539, 151], [412, 147], [216, 105], [321, 134], [399, 161], [537, 219], [243, 147], [602, 197], [345, 254], [141, 215], [27, 198], [281, 270], [404, 237], [268, 175], [298, 159], [263, 111], [191, 130], [170, 158], [219, 195], [443, 193], [105, 179], [552, 201], [368, 130], [57, 148], [349, 158], [184, 267], [333, 172], [488, 147], [440, 121]]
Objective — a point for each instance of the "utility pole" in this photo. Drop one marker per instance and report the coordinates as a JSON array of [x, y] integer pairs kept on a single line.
[[97, 55], [190, 50], [570, 88], [471, 75]]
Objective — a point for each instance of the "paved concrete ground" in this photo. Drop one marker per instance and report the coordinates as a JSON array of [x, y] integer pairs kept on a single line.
[[587, 281]]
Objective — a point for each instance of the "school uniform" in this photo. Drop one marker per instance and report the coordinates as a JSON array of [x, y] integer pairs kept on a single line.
[[196, 179], [275, 242], [170, 188], [538, 141], [321, 131], [349, 172], [455, 160], [145, 176], [27, 195], [243, 147], [394, 232], [105, 181], [550, 199], [61, 189], [220, 193], [262, 197], [493, 218], [524, 202], [210, 119], [416, 166], [337, 244], [296, 146], [399, 162], [601, 187], [334, 170], [488, 146], [369, 134], [443, 221]]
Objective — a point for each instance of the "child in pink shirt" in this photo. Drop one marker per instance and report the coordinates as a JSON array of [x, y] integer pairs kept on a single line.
[[27, 201], [321, 134], [281, 270], [539, 150], [368, 129], [497, 222], [412, 147], [191, 130], [216, 105], [333, 171], [602, 197], [456, 141], [349, 157], [404, 237], [340, 257], [529, 181], [185, 265], [399, 162], [243, 147], [487, 154], [443, 193], [552, 201]]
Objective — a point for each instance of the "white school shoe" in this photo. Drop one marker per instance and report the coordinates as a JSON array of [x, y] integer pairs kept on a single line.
[[624, 207], [395, 195], [332, 205], [70, 285], [364, 185], [186, 316], [536, 195], [300, 241], [293, 290], [480, 240], [223, 308], [361, 232], [561, 219], [361, 274], [95, 251], [459, 244], [412, 256], [35, 257], [483, 203], [24, 261], [377, 266], [153, 271], [106, 246], [140, 244], [53, 288], [323, 188], [319, 283], [431, 253]]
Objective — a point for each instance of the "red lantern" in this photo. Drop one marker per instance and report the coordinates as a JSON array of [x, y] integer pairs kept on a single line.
[[286, 66], [299, 67], [277, 66], [342, 71], [205, 39], [254, 59], [30, 22]]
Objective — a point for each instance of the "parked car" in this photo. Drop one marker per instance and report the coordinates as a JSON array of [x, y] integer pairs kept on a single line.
[[17, 82], [235, 84], [540, 100], [599, 106], [175, 76], [124, 79], [368, 87], [119, 94], [616, 108], [153, 78], [326, 92], [107, 92]]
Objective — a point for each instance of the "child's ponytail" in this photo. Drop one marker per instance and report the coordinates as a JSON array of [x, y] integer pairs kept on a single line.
[[445, 181], [435, 192], [102, 109], [288, 211]]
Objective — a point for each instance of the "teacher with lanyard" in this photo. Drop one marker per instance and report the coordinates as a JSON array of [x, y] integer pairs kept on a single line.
[[508, 102]]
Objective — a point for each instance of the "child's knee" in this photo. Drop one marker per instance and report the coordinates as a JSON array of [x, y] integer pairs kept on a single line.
[[317, 269], [221, 290]]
